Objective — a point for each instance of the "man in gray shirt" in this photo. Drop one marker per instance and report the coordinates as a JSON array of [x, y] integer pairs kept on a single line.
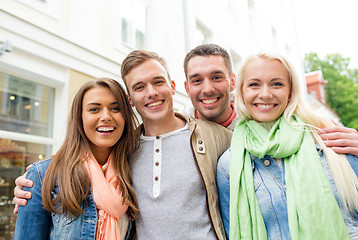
[[174, 169]]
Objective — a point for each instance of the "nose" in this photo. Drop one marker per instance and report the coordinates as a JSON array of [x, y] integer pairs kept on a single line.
[[106, 115], [151, 91], [265, 93], [208, 87]]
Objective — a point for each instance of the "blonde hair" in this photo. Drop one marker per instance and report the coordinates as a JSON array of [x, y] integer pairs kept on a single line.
[[343, 175]]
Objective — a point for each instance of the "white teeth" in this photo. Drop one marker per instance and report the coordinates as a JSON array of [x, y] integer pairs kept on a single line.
[[265, 105], [154, 104], [105, 129], [210, 101]]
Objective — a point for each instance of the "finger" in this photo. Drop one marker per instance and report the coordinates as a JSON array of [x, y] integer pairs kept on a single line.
[[334, 123], [19, 193], [338, 129], [19, 201], [28, 167], [16, 209], [340, 143], [339, 135], [23, 182], [346, 150]]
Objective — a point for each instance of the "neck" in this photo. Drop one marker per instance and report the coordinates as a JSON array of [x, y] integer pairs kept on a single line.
[[268, 125], [155, 128], [101, 155]]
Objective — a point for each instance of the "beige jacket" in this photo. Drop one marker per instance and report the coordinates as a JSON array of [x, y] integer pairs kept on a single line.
[[208, 141]]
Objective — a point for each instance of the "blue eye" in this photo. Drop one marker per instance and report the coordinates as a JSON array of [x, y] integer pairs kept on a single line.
[[277, 84], [253, 85]]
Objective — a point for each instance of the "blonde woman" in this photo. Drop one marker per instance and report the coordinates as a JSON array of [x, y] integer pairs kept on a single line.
[[284, 182]]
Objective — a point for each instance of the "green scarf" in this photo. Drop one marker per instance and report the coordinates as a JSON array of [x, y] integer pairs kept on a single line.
[[313, 212]]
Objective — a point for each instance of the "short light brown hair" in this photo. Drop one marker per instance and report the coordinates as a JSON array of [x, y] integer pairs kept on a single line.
[[207, 50], [136, 58]]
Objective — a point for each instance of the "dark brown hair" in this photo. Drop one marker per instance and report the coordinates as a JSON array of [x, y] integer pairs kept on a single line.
[[66, 165], [207, 50]]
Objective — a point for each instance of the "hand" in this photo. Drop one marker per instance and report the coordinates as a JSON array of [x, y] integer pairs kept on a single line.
[[20, 195], [341, 139]]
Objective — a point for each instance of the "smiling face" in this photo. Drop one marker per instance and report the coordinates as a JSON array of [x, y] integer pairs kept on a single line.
[[150, 92], [103, 122], [208, 86], [266, 89]]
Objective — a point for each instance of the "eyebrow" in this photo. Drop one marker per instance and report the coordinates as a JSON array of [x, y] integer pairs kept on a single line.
[[213, 72], [154, 78], [135, 84], [98, 104]]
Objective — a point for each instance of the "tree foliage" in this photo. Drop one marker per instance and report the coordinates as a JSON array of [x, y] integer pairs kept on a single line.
[[342, 87]]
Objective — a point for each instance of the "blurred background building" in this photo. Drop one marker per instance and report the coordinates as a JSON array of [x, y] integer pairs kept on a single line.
[[48, 48]]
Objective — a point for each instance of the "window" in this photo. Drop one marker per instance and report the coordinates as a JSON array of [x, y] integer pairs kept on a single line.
[[26, 113], [26, 107], [134, 24], [202, 34]]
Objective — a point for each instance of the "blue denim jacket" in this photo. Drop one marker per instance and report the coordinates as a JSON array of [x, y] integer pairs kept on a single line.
[[269, 180], [35, 222]]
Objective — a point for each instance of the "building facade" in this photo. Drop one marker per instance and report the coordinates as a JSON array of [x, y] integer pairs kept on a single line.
[[48, 48]]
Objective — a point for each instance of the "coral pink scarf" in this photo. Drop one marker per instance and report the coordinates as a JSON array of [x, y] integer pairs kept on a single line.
[[107, 196]]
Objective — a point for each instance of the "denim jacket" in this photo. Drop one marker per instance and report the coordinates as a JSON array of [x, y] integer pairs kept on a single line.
[[35, 222], [269, 181]]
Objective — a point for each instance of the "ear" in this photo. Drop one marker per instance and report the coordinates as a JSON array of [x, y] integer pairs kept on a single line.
[[186, 85], [130, 100], [232, 82], [173, 86]]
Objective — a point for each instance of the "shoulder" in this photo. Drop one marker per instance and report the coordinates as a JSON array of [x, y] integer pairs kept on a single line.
[[38, 169], [224, 161]]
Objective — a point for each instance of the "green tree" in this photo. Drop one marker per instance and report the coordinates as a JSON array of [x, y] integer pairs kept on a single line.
[[342, 87]]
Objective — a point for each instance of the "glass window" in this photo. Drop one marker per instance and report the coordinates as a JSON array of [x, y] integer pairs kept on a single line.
[[134, 24], [26, 107], [14, 157]]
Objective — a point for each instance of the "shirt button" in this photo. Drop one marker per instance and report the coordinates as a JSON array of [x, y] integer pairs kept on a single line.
[[156, 163], [156, 178], [157, 137], [267, 162], [200, 142], [201, 149], [157, 150]]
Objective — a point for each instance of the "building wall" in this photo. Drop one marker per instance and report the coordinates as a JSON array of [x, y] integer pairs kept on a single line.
[[59, 44]]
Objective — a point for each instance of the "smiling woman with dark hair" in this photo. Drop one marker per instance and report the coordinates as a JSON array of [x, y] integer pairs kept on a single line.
[[84, 191]]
